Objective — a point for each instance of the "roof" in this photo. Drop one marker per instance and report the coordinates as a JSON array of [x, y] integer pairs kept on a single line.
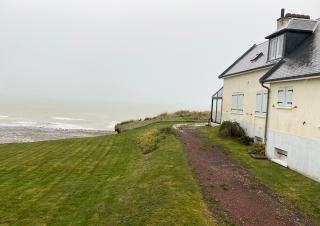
[[302, 62], [250, 60], [298, 25]]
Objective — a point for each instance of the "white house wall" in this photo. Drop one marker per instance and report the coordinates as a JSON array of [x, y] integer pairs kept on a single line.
[[249, 85], [296, 130]]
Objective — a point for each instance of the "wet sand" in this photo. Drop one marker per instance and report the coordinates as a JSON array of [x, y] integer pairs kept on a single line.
[[14, 134]]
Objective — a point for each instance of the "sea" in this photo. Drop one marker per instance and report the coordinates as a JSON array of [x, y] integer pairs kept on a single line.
[[78, 115]]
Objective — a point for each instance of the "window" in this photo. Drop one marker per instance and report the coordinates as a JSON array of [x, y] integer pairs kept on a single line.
[[261, 103], [237, 102], [276, 47], [285, 97], [256, 57]]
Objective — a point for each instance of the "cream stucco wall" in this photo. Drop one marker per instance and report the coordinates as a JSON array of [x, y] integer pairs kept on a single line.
[[306, 108], [249, 85], [296, 130]]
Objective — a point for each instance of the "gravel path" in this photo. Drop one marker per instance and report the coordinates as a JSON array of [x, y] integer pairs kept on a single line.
[[232, 194]]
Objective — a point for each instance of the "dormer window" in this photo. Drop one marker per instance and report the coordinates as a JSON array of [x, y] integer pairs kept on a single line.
[[276, 47]]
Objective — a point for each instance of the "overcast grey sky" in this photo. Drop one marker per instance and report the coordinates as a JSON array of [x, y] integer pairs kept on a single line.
[[164, 51]]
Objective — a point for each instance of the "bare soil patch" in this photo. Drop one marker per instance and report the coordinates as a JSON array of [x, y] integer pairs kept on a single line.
[[232, 194]]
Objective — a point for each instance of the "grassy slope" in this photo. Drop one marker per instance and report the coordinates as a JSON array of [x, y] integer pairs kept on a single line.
[[179, 116], [302, 192], [99, 181]]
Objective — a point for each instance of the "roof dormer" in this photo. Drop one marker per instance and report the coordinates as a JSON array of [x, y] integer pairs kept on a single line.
[[292, 30]]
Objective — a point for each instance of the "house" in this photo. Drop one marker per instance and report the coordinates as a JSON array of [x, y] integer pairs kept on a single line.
[[273, 91]]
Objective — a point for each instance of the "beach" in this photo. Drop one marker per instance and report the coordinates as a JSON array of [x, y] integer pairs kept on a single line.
[[18, 134]]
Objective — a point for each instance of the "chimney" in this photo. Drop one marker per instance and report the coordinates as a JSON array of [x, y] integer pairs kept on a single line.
[[283, 20]]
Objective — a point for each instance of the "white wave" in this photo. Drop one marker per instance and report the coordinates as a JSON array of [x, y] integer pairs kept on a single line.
[[26, 123], [4, 116], [68, 119], [65, 126]]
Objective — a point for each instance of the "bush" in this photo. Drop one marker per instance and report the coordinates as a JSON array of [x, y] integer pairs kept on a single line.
[[246, 140], [148, 141], [258, 149], [231, 129]]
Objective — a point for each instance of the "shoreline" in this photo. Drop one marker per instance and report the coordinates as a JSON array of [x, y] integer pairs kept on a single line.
[[21, 134]]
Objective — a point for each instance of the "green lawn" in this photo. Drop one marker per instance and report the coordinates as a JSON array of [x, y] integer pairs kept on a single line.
[[100, 181], [300, 191]]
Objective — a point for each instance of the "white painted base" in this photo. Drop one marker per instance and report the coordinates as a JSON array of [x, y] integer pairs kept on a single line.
[[303, 153], [280, 162]]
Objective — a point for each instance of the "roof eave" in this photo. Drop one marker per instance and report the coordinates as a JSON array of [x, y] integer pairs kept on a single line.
[[292, 78], [246, 71], [287, 30]]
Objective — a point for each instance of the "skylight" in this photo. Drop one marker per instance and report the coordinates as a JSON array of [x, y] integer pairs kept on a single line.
[[256, 57]]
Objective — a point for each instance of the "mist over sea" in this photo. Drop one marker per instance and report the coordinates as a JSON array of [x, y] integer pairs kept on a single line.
[[83, 115]]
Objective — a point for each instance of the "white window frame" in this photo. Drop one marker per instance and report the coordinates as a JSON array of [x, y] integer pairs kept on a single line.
[[285, 96], [261, 103], [276, 47], [237, 102]]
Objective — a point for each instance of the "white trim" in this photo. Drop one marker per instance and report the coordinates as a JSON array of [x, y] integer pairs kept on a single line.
[[284, 107], [296, 79], [280, 162], [247, 72], [236, 112]]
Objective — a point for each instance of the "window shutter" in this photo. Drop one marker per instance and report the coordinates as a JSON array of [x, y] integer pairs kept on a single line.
[[258, 102], [264, 102], [289, 92], [281, 96], [240, 102], [234, 102]]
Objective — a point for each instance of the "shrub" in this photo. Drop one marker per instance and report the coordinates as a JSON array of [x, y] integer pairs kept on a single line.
[[231, 129], [246, 140], [258, 149], [148, 141]]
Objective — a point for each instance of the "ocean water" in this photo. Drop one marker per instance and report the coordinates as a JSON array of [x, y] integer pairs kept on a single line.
[[53, 114]]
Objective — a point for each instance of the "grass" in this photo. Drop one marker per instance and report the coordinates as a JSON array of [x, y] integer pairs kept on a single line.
[[104, 180], [179, 116], [301, 192]]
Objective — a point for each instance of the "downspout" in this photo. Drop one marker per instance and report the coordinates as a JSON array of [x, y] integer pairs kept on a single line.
[[267, 113], [211, 114]]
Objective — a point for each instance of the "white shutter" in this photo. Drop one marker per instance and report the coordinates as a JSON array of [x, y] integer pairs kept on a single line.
[[258, 102], [281, 96], [264, 102], [240, 102], [289, 92], [234, 102]]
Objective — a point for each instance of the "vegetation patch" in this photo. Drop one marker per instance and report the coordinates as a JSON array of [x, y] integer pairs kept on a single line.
[[231, 129], [148, 142], [179, 116], [246, 140], [100, 181], [257, 149]]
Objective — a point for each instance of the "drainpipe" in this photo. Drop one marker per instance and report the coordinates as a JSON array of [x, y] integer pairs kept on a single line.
[[211, 119], [267, 114]]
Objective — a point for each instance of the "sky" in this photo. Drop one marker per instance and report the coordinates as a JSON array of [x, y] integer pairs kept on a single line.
[[144, 51]]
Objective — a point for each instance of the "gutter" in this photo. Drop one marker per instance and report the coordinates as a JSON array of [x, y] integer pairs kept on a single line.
[[267, 114]]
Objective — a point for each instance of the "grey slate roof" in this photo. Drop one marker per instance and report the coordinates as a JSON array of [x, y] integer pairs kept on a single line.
[[301, 25], [245, 62], [302, 62]]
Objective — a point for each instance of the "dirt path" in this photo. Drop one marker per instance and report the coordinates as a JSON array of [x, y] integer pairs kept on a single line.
[[233, 196]]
